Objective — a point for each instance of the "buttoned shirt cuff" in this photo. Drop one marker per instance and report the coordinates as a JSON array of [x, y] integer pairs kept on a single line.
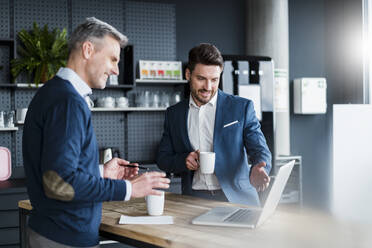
[[101, 170], [129, 190]]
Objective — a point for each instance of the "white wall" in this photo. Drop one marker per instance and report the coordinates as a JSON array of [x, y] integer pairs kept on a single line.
[[352, 162]]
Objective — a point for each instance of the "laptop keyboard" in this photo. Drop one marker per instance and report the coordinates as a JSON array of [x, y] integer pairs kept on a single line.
[[239, 215]]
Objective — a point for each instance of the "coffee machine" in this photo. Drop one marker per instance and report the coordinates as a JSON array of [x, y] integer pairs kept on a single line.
[[252, 77]]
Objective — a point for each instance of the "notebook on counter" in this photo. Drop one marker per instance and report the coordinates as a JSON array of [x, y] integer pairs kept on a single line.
[[146, 220], [246, 217]]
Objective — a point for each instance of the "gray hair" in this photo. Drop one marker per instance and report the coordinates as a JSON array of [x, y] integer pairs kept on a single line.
[[94, 30]]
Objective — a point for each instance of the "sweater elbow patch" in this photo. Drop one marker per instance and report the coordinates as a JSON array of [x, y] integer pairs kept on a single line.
[[56, 188]]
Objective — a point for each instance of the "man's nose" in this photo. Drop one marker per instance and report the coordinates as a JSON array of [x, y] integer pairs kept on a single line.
[[208, 85], [115, 70]]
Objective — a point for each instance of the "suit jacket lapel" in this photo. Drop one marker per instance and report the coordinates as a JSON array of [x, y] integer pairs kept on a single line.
[[218, 121], [183, 126]]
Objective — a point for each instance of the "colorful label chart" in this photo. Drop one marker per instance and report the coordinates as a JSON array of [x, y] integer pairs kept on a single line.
[[162, 70]]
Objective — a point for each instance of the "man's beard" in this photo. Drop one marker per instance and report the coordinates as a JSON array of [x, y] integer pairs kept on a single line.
[[194, 93]]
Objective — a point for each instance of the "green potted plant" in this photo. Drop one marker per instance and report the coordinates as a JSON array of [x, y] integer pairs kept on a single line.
[[41, 53]]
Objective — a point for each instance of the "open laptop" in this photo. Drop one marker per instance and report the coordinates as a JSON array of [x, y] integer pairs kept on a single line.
[[246, 217]]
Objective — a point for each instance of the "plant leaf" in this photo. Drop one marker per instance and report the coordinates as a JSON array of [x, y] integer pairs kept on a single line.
[[41, 53]]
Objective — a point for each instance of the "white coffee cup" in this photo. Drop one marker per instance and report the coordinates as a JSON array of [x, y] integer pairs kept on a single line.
[[121, 102], [206, 162], [155, 204], [106, 102], [21, 115]]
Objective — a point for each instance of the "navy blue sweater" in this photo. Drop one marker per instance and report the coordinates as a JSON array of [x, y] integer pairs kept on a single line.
[[60, 156]]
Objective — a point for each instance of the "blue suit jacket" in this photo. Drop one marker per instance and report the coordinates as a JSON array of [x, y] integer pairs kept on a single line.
[[234, 145]]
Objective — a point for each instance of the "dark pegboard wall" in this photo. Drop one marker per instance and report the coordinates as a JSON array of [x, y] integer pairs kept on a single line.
[[4, 62], [4, 19], [151, 28], [53, 13], [18, 158], [6, 140], [144, 133], [5, 99], [109, 129], [110, 11], [23, 97]]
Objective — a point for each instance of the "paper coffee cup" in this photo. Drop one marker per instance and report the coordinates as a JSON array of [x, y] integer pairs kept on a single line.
[[155, 204], [206, 162], [21, 115]]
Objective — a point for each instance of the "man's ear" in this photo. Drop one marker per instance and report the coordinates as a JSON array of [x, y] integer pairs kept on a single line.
[[87, 49], [187, 74]]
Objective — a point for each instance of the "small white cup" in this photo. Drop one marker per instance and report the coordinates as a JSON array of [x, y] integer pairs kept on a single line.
[[21, 115], [155, 204], [206, 162], [121, 102], [109, 102]]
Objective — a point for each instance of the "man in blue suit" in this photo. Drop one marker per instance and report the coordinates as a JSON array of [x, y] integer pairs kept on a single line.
[[213, 121]]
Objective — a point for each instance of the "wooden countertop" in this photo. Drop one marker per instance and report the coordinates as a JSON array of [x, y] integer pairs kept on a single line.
[[286, 228]]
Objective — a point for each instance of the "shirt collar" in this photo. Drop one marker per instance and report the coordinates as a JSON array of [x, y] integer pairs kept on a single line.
[[79, 84], [211, 102]]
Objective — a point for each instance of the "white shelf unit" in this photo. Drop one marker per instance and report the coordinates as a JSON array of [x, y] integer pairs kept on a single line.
[[161, 81], [29, 85], [129, 109], [33, 86], [8, 129]]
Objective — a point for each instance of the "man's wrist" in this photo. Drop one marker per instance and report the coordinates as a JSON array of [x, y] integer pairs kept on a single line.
[[252, 168]]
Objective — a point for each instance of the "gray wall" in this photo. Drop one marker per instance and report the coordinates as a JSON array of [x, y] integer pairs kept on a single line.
[[323, 42], [219, 22]]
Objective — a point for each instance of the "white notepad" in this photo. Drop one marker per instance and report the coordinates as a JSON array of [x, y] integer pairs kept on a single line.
[[155, 220]]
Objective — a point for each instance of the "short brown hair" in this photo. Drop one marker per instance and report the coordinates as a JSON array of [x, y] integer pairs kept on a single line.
[[206, 54]]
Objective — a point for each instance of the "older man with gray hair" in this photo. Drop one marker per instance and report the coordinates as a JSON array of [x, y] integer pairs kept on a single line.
[[65, 184]]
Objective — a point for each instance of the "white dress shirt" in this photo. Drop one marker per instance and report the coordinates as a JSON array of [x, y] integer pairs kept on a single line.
[[84, 90], [200, 127]]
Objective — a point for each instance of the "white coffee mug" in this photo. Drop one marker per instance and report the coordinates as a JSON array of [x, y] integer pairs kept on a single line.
[[206, 162], [109, 102], [21, 115], [121, 102], [155, 204]]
